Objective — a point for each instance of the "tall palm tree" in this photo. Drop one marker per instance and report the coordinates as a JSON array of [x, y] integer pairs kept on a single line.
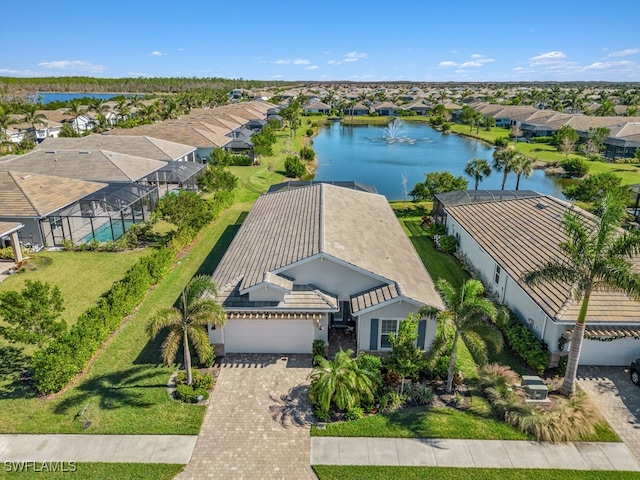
[[596, 255], [5, 121], [478, 169], [606, 109], [465, 315], [32, 116], [98, 106], [522, 166], [341, 381], [504, 160], [187, 322]]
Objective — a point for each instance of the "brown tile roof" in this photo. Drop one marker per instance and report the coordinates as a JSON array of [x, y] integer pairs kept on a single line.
[[523, 233], [8, 227], [32, 195], [96, 165], [354, 227]]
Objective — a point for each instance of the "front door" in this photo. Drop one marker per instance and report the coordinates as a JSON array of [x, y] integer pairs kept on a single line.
[[341, 317]]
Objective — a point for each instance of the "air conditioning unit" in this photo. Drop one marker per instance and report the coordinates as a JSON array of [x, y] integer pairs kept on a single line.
[[535, 388]]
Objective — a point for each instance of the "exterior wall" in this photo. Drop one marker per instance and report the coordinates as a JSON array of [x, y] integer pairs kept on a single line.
[[202, 154], [30, 233], [395, 311], [331, 277]]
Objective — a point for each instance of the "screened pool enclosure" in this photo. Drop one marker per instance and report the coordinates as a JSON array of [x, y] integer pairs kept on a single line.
[[103, 216]]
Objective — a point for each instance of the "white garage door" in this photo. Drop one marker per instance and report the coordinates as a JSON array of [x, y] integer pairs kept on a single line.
[[268, 336]]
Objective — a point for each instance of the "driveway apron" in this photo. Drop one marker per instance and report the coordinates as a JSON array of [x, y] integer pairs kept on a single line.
[[257, 422], [617, 399]]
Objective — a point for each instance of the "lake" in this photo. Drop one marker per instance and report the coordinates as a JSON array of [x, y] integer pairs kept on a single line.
[[45, 98], [363, 154]]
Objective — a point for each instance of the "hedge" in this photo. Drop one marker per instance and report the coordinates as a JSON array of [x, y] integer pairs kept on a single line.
[[526, 345], [56, 365]]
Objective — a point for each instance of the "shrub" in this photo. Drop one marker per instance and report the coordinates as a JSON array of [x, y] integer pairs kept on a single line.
[[309, 132], [371, 363], [322, 415], [501, 142], [575, 167], [307, 154], [354, 413], [293, 167], [447, 243], [392, 400], [318, 350], [541, 139], [189, 394], [525, 344], [420, 394]]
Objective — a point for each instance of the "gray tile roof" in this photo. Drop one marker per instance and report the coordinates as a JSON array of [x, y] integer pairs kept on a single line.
[[138, 146], [354, 227], [520, 235]]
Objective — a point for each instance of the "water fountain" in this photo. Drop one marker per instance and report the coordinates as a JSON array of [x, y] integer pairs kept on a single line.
[[391, 131]]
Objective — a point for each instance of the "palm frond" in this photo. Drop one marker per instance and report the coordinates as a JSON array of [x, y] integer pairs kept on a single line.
[[200, 340], [170, 346], [163, 318]]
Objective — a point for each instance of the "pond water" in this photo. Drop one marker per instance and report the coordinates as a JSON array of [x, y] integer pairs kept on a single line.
[[381, 156], [45, 98]]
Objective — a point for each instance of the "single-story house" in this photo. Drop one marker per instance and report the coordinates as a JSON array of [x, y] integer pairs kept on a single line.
[[318, 107], [504, 238], [356, 110], [316, 257]]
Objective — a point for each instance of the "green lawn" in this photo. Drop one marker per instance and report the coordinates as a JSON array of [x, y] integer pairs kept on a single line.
[[334, 472], [95, 471], [125, 388], [483, 134], [82, 276]]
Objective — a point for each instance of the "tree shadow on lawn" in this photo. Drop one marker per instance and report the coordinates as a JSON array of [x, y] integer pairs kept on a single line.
[[215, 255], [114, 390], [411, 211], [14, 366]]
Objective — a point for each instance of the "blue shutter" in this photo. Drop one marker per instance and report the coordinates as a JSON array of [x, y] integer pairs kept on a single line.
[[373, 338], [422, 333]]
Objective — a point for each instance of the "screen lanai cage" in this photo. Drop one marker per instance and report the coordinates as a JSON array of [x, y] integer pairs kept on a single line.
[[103, 216]]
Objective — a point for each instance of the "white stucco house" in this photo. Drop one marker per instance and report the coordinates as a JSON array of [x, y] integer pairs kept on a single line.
[[502, 235], [319, 256]]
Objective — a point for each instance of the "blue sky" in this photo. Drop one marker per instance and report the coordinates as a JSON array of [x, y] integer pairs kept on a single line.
[[324, 40]]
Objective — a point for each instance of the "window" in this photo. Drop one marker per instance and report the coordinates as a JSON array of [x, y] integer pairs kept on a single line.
[[387, 327], [496, 275]]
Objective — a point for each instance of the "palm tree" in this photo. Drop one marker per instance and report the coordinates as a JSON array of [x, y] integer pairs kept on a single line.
[[478, 169], [466, 315], [504, 160], [341, 381], [187, 321], [32, 116], [596, 256], [522, 166], [98, 106], [5, 121], [606, 109]]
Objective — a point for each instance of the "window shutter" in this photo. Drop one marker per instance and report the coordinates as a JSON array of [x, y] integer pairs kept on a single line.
[[422, 332], [373, 338]]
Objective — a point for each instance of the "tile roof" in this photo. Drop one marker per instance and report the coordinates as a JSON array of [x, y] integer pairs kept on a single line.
[[138, 146], [96, 165], [523, 233], [7, 227], [32, 195], [354, 227]]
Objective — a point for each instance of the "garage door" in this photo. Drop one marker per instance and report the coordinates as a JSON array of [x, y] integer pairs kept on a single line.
[[268, 336]]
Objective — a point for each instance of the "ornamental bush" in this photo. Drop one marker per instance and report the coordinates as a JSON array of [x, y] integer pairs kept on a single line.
[[293, 167], [524, 343]]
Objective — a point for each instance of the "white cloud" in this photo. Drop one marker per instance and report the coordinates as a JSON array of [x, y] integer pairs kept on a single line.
[[157, 53], [312, 67], [471, 64], [11, 71], [605, 65], [289, 61], [624, 53], [77, 65], [349, 58], [477, 55], [547, 58], [448, 63], [275, 77], [453, 51]]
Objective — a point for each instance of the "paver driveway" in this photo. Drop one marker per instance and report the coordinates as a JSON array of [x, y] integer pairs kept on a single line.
[[617, 399], [257, 422]]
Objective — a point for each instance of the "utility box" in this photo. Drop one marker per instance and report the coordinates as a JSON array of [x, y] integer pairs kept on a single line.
[[535, 387]]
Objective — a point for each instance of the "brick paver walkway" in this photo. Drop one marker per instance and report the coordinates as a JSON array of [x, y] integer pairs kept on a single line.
[[257, 422], [617, 399]]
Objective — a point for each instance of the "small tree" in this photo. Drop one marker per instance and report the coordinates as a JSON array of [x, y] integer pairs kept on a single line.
[[437, 182], [293, 167], [406, 357], [216, 177], [31, 316], [186, 322], [575, 167]]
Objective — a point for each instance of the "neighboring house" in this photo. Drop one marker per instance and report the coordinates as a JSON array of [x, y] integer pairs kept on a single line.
[[358, 110], [316, 257], [318, 107], [502, 239], [385, 109]]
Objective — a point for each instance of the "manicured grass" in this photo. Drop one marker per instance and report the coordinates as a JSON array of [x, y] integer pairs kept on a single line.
[[421, 422], [94, 471], [335, 472], [630, 173], [438, 264], [81, 276], [483, 134], [125, 388]]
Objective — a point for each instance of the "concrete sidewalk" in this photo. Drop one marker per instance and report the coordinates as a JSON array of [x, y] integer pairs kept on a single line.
[[97, 448], [471, 453]]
